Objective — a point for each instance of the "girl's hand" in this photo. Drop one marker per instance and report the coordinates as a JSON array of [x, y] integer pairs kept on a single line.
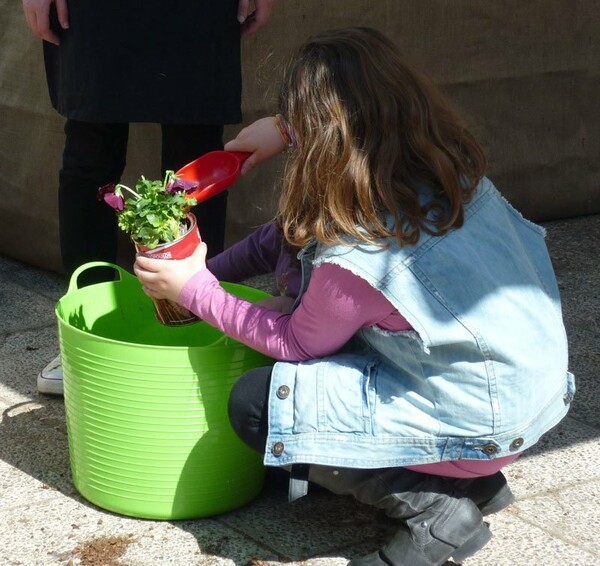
[[261, 138], [165, 278], [37, 14]]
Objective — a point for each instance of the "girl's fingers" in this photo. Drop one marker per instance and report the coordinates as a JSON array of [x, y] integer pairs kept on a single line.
[[248, 165], [242, 14], [149, 264]]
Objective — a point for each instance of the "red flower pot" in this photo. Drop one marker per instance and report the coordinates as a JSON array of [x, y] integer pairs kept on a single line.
[[169, 312]]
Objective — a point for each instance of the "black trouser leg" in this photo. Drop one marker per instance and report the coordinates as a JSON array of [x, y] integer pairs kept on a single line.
[[248, 414], [439, 522], [94, 155], [248, 407], [182, 144]]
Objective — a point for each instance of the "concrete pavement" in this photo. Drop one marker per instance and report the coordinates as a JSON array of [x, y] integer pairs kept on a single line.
[[44, 521]]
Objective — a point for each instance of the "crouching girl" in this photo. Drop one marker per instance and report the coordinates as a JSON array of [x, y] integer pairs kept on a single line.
[[425, 349]]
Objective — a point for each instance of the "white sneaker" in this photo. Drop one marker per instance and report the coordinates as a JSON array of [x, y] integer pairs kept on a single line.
[[50, 379]]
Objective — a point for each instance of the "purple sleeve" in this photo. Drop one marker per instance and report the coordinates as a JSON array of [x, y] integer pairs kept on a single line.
[[256, 254], [335, 306]]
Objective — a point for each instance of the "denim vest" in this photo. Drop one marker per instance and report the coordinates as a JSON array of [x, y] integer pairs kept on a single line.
[[482, 375]]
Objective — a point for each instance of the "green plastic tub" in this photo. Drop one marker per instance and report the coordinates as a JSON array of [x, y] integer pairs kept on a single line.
[[146, 404]]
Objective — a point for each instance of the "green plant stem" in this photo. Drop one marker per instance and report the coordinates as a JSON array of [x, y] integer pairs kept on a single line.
[[130, 190], [168, 175]]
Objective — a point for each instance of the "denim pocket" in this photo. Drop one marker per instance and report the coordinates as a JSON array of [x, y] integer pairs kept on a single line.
[[332, 395]]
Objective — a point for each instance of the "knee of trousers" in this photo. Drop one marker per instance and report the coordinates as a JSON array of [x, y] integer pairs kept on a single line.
[[248, 405]]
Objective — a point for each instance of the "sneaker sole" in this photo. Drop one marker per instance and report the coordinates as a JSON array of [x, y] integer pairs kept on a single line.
[[49, 386]]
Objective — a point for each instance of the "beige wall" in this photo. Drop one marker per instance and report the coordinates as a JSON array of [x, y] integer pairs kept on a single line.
[[525, 73]]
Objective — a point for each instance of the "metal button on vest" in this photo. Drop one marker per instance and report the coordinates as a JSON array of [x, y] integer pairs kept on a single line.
[[516, 443], [490, 448], [283, 391], [277, 448]]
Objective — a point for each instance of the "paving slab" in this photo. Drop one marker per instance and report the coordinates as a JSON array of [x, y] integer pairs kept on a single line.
[[573, 246], [59, 530], [23, 354], [24, 309], [566, 456], [318, 524], [517, 542]]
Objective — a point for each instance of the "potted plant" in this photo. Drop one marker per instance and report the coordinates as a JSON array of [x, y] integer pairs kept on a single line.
[[156, 215]]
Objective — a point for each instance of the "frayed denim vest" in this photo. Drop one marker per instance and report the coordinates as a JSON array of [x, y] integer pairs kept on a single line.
[[482, 375]]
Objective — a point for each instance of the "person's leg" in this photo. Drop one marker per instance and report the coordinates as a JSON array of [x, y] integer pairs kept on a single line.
[[248, 414], [438, 520], [248, 407], [94, 155], [182, 144], [487, 485]]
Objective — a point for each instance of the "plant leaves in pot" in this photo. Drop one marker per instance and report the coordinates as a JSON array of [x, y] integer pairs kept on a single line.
[[157, 217]]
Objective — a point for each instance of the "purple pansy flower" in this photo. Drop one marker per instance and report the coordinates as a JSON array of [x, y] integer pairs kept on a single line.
[[108, 195], [181, 185]]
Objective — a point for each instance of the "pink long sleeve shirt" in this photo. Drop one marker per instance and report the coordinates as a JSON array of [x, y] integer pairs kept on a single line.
[[334, 307]]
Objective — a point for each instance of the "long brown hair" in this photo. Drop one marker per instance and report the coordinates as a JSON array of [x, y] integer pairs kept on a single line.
[[371, 130]]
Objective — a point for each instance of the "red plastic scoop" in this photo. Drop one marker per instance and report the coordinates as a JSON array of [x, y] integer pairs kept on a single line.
[[215, 171]]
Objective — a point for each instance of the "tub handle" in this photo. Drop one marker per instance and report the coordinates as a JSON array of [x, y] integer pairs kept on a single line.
[[124, 276]]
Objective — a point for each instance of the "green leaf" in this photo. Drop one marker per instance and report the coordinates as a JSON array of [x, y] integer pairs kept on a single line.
[[157, 216]]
